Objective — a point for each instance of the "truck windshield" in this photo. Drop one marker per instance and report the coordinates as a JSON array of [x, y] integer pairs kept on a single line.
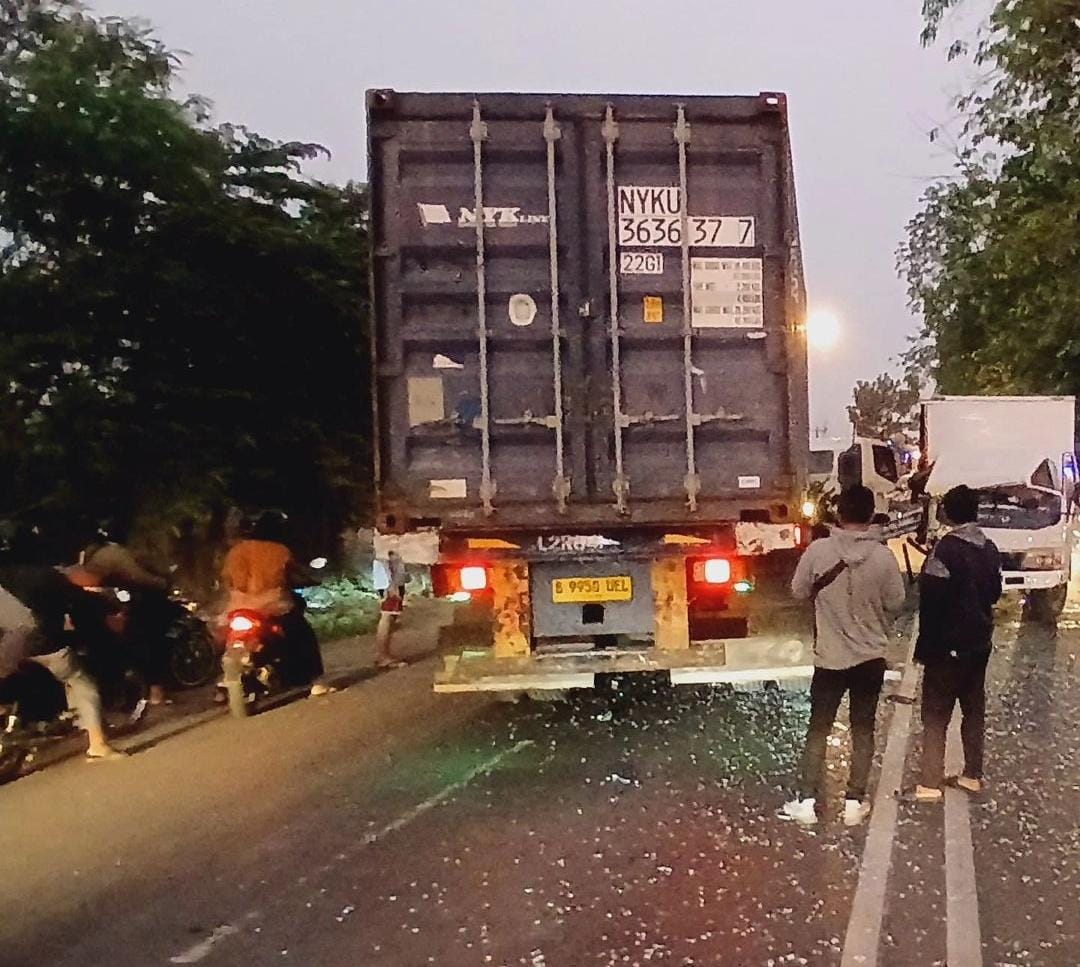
[[821, 461], [1018, 508]]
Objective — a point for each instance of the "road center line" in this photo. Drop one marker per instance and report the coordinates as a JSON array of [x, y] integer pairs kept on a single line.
[[443, 794], [200, 950], [863, 937], [963, 936]]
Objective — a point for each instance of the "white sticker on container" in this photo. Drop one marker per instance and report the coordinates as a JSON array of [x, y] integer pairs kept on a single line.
[[426, 403], [727, 294], [433, 214], [455, 489], [522, 309], [749, 483], [441, 361]]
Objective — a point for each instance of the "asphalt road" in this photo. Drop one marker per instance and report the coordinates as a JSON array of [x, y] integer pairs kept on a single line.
[[384, 825]]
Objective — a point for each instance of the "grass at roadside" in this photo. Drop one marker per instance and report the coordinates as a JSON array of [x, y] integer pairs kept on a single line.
[[342, 608]]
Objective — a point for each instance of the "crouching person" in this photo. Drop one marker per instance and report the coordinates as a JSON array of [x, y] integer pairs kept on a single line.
[[39, 607]]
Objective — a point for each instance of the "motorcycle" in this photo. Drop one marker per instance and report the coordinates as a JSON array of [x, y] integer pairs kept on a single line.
[[192, 651], [265, 654], [33, 706], [254, 646], [178, 640], [32, 712]]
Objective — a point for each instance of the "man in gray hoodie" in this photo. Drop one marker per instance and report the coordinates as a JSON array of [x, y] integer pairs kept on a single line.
[[856, 588]]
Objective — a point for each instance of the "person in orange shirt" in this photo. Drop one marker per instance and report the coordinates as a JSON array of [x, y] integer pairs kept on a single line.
[[259, 574]]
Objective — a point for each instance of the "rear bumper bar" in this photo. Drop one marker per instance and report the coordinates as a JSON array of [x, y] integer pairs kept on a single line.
[[1032, 580], [742, 660]]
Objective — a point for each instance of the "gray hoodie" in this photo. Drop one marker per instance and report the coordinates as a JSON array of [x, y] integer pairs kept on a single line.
[[854, 613]]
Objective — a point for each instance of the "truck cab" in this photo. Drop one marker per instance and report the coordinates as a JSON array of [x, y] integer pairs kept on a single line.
[[875, 464], [1018, 453], [1031, 520]]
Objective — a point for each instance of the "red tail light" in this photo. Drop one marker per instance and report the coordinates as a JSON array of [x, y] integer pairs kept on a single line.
[[716, 570], [241, 624], [460, 579], [473, 578]]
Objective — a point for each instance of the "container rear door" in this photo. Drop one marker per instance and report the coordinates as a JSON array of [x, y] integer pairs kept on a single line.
[[701, 362], [479, 335], [561, 340]]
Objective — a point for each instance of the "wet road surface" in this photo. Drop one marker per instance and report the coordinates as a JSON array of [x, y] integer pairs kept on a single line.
[[387, 826]]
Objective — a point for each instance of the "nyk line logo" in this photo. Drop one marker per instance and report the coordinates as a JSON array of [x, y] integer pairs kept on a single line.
[[493, 217]]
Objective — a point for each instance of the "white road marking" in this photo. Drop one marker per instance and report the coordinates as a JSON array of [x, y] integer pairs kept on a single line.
[[863, 937], [200, 950], [443, 794], [963, 936]]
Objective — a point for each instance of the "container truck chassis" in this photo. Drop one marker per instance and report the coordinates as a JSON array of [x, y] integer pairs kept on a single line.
[[564, 609]]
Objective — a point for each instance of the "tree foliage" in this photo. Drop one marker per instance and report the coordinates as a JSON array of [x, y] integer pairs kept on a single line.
[[991, 258], [184, 313], [884, 406]]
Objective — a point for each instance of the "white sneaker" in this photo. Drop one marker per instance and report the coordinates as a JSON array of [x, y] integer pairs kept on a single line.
[[803, 811], [855, 811]]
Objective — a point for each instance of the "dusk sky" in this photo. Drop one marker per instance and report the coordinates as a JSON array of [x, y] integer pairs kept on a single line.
[[862, 92]]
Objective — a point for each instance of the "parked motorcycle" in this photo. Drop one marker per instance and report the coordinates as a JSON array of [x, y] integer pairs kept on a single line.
[[168, 634], [32, 711], [193, 655]]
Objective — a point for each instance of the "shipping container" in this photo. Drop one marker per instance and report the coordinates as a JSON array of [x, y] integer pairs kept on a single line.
[[590, 359], [559, 339]]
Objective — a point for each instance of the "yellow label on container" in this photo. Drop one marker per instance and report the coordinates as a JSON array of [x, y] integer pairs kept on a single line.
[[654, 308]]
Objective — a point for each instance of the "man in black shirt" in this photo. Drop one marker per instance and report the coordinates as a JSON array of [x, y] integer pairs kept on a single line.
[[960, 583]]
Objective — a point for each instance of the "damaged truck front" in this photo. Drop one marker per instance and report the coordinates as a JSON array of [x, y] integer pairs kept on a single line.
[[590, 372], [1018, 454]]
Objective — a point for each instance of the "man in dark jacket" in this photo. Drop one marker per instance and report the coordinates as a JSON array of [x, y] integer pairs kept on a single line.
[[960, 583]]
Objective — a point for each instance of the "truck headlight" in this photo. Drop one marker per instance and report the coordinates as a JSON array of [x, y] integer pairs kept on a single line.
[[1043, 560], [809, 509]]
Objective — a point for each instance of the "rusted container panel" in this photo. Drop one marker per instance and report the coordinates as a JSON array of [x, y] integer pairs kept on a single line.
[[560, 341]]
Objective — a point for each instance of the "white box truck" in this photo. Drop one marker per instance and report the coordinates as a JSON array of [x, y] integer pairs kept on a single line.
[[1018, 452]]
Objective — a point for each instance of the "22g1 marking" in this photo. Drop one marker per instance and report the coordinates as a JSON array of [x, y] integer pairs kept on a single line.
[[641, 263]]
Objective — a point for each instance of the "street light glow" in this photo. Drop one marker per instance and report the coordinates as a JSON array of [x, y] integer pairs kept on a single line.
[[822, 329]]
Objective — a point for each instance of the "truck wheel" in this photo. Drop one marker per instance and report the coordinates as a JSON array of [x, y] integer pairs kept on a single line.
[[1047, 604]]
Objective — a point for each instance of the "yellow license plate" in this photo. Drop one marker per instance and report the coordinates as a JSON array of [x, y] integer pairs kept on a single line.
[[588, 590]]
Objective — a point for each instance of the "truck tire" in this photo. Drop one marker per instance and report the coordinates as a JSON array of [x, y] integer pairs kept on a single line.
[[1047, 604]]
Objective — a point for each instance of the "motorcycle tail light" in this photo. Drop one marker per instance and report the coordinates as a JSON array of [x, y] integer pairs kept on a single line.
[[241, 624]]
